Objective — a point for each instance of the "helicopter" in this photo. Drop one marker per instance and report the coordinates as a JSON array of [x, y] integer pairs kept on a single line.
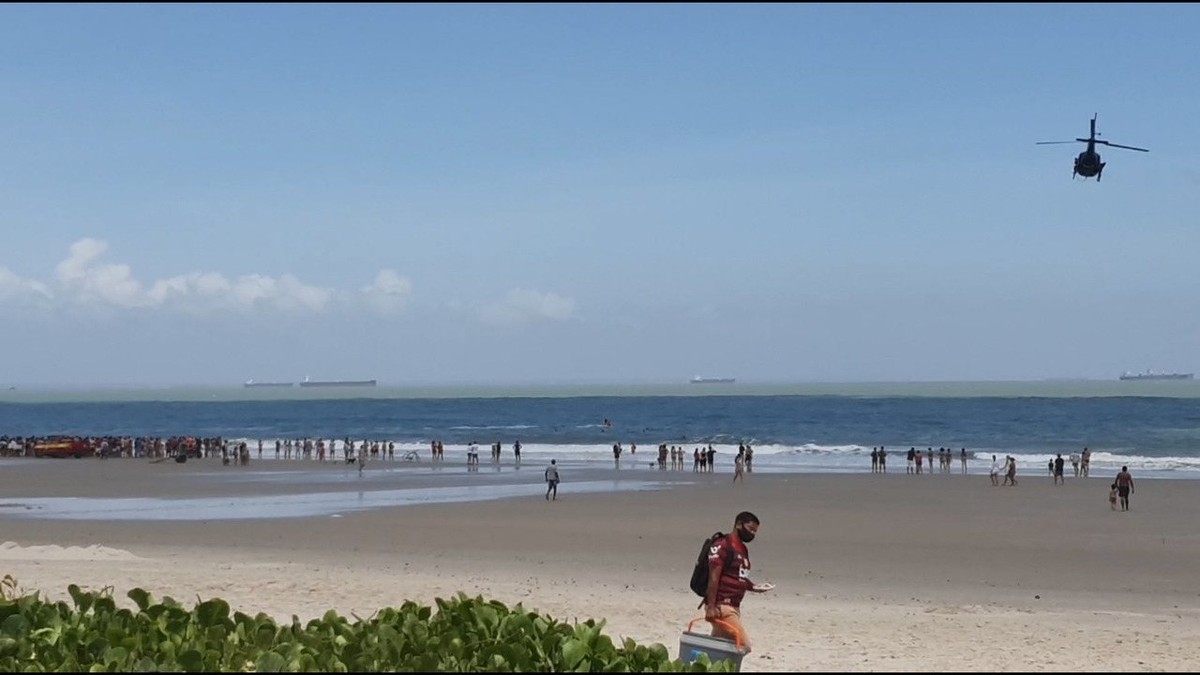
[[1088, 163]]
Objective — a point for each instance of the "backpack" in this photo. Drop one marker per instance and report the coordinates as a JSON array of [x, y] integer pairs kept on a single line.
[[699, 582]]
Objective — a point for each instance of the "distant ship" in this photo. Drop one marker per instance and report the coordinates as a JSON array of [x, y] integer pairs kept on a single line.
[[713, 380], [252, 383], [1151, 375], [337, 383]]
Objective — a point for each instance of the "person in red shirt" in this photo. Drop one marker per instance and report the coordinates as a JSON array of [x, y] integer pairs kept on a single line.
[[729, 579]]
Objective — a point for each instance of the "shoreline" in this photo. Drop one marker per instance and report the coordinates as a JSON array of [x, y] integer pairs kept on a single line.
[[31, 480], [597, 457]]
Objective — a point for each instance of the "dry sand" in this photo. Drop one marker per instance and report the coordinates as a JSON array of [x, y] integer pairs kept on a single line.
[[894, 572]]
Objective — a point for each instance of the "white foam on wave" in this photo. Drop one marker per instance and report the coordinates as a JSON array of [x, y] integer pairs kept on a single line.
[[493, 426], [11, 550], [808, 449], [1100, 460], [793, 457]]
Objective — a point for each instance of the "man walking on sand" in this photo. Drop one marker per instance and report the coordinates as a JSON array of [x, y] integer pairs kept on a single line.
[[729, 579], [1124, 487], [552, 480]]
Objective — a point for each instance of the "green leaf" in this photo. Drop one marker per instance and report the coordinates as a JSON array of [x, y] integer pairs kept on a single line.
[[116, 656], [83, 600], [140, 598], [14, 626], [104, 604], [270, 662], [212, 660], [192, 660], [212, 612], [573, 651], [215, 634]]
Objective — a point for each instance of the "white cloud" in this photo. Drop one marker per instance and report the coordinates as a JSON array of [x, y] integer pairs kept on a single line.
[[103, 284], [83, 279], [16, 290], [389, 293], [519, 306], [209, 291]]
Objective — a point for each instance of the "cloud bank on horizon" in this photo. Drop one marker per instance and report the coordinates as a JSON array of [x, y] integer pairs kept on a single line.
[[85, 280]]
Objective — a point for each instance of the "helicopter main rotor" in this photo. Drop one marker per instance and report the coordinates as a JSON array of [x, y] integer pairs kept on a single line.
[[1093, 139], [1114, 145]]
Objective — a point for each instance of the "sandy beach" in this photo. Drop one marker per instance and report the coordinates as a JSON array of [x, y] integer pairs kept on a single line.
[[872, 572]]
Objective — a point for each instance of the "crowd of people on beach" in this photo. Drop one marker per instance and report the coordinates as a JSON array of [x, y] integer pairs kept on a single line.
[[916, 460], [1080, 465], [674, 457], [669, 457], [1005, 473], [239, 452], [230, 451], [113, 446]]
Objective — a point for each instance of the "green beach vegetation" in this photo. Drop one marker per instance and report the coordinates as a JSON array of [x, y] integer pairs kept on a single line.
[[464, 635]]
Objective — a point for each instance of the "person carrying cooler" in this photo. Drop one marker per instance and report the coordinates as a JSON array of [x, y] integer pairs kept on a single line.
[[729, 579]]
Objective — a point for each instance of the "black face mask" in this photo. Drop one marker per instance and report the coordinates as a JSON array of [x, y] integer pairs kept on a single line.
[[745, 535]]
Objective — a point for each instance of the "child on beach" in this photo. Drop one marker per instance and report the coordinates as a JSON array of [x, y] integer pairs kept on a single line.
[[1112, 497]]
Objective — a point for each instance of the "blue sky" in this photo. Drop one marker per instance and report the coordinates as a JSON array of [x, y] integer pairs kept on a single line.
[[538, 193]]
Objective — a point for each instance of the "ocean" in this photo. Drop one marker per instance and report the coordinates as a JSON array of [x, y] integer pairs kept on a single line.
[[1152, 427]]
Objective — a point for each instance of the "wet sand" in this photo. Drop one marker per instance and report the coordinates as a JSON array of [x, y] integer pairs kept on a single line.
[[895, 572]]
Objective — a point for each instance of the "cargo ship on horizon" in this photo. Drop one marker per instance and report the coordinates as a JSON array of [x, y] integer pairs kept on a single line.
[[306, 382], [251, 383], [1151, 375], [713, 380]]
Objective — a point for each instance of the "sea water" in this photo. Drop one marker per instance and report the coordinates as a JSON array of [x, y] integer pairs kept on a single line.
[[1154, 428], [322, 503]]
